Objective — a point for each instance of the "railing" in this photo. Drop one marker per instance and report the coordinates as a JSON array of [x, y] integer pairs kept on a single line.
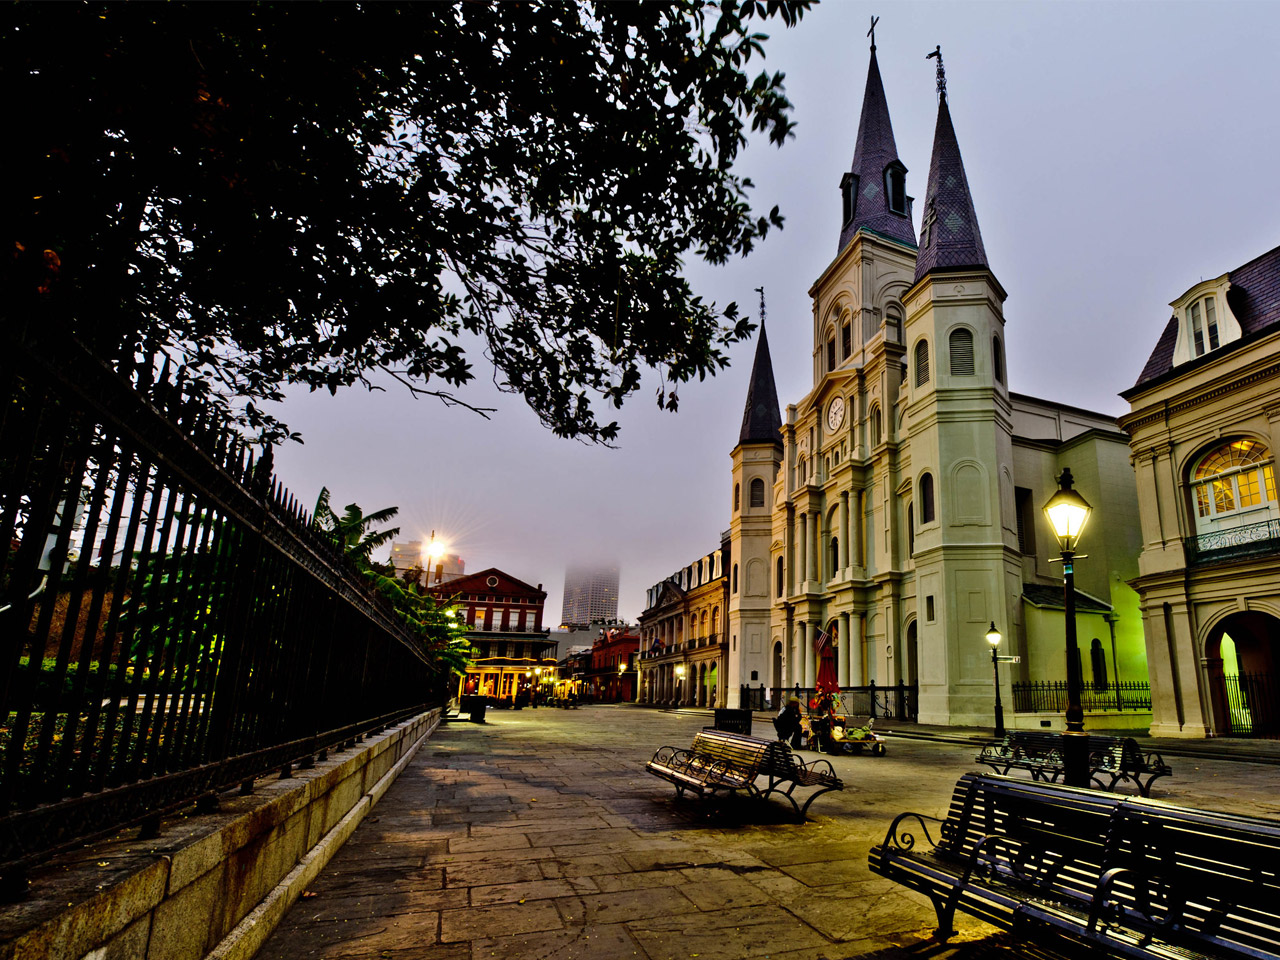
[[1050, 696], [1250, 705], [1250, 540], [899, 702], [170, 625]]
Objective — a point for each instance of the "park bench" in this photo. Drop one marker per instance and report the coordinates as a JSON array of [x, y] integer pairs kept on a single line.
[[1131, 876], [1112, 760], [722, 761]]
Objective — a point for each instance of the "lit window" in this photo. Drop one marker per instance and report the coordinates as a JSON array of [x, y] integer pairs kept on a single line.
[[1236, 477]]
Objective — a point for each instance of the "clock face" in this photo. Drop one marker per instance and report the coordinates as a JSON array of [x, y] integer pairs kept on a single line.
[[835, 413]]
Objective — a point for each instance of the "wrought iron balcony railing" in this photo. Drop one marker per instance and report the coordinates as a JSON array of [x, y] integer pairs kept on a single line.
[[1250, 540]]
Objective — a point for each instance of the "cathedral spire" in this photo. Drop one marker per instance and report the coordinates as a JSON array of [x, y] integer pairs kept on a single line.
[[873, 192], [949, 236], [761, 419]]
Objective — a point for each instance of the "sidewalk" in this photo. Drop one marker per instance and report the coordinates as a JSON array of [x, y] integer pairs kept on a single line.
[[539, 835]]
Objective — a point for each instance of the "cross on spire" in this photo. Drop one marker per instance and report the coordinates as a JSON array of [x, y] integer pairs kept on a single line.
[[872, 33], [760, 290], [942, 74]]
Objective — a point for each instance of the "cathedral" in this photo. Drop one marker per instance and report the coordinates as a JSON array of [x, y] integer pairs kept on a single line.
[[894, 512]]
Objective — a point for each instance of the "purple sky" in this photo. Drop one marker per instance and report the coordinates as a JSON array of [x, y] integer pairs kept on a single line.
[[1117, 155]]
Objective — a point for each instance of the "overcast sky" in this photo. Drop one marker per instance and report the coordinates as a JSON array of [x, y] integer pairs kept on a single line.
[[1117, 154]]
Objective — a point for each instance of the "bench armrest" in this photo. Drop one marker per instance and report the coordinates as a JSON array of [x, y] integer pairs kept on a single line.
[[902, 840], [816, 766]]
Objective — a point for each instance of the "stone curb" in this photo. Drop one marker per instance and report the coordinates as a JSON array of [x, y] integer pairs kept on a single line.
[[248, 936]]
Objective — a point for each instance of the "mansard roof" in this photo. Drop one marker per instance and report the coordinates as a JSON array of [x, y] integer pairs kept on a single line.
[[949, 236], [1254, 299], [874, 152], [761, 417]]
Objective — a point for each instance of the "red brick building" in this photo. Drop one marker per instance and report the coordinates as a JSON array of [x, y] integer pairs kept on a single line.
[[510, 649], [612, 678]]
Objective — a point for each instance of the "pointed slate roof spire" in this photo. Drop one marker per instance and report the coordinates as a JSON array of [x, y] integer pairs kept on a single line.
[[949, 236], [761, 418], [866, 202]]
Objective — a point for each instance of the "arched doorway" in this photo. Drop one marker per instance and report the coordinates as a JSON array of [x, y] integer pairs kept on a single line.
[[775, 670], [1244, 687], [911, 676]]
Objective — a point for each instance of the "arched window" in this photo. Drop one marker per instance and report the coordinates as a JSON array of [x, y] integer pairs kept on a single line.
[[895, 188], [960, 347], [735, 578], [715, 621], [922, 363], [778, 595], [737, 492], [801, 475], [1234, 485], [877, 427], [911, 529], [893, 324], [997, 360], [835, 555], [757, 492], [926, 498], [831, 352]]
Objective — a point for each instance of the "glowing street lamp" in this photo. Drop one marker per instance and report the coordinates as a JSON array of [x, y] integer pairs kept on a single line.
[[993, 638], [1068, 512]]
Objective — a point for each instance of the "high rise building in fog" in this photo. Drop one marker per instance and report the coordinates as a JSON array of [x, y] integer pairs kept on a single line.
[[590, 594]]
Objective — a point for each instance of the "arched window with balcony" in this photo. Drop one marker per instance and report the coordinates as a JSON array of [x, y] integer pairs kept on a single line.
[[1234, 486]]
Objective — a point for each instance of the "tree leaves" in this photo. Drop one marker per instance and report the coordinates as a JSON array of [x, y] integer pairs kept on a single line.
[[290, 194]]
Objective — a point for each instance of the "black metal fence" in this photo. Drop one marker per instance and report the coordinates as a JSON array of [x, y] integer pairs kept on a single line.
[[1050, 696], [169, 623], [897, 702], [1250, 540], [1251, 705]]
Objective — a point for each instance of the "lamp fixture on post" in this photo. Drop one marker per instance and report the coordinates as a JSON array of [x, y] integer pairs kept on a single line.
[[993, 638], [1068, 512]]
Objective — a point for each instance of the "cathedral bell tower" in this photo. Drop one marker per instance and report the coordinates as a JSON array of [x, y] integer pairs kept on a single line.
[[756, 461], [957, 414]]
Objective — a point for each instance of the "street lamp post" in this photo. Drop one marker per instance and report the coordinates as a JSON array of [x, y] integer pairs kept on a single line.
[[680, 685], [1068, 512], [993, 638]]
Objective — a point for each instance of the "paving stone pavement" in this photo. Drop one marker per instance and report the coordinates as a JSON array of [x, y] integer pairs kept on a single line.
[[539, 836]]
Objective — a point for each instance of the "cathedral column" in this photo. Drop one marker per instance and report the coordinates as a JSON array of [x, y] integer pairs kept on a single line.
[[844, 652], [857, 625], [803, 552], [810, 666], [815, 531], [843, 534]]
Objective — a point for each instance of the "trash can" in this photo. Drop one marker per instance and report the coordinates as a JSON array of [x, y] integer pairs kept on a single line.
[[474, 705], [733, 720]]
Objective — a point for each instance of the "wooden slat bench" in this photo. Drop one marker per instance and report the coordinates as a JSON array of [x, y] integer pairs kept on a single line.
[[719, 761], [1130, 876], [1112, 760]]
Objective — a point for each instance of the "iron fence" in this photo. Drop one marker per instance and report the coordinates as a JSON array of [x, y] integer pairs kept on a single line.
[[1249, 540], [1251, 705], [170, 625], [897, 702], [1050, 696]]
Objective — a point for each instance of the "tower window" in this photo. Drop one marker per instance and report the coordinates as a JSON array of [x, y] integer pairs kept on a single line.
[[757, 492], [895, 188], [877, 430], [960, 346], [846, 338], [737, 492], [848, 196], [893, 325], [831, 353], [997, 360], [735, 578], [926, 498], [778, 595], [922, 363]]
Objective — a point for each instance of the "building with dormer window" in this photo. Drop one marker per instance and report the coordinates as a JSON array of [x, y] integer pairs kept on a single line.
[[1204, 423]]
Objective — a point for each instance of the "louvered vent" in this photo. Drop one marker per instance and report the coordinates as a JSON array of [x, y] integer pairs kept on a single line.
[[961, 343]]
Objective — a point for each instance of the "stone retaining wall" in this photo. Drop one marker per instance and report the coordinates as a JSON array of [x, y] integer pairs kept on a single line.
[[212, 885]]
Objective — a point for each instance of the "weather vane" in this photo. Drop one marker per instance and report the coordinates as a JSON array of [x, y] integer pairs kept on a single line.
[[760, 290], [942, 74], [872, 33]]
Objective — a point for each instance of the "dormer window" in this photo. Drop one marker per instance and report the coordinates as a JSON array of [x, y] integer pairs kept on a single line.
[[1204, 319], [849, 196], [895, 188]]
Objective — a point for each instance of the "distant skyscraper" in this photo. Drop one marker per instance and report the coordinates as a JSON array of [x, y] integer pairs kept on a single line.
[[590, 593]]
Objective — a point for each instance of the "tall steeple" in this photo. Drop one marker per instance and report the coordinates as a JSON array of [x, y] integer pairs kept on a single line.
[[761, 418], [873, 192], [949, 236]]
